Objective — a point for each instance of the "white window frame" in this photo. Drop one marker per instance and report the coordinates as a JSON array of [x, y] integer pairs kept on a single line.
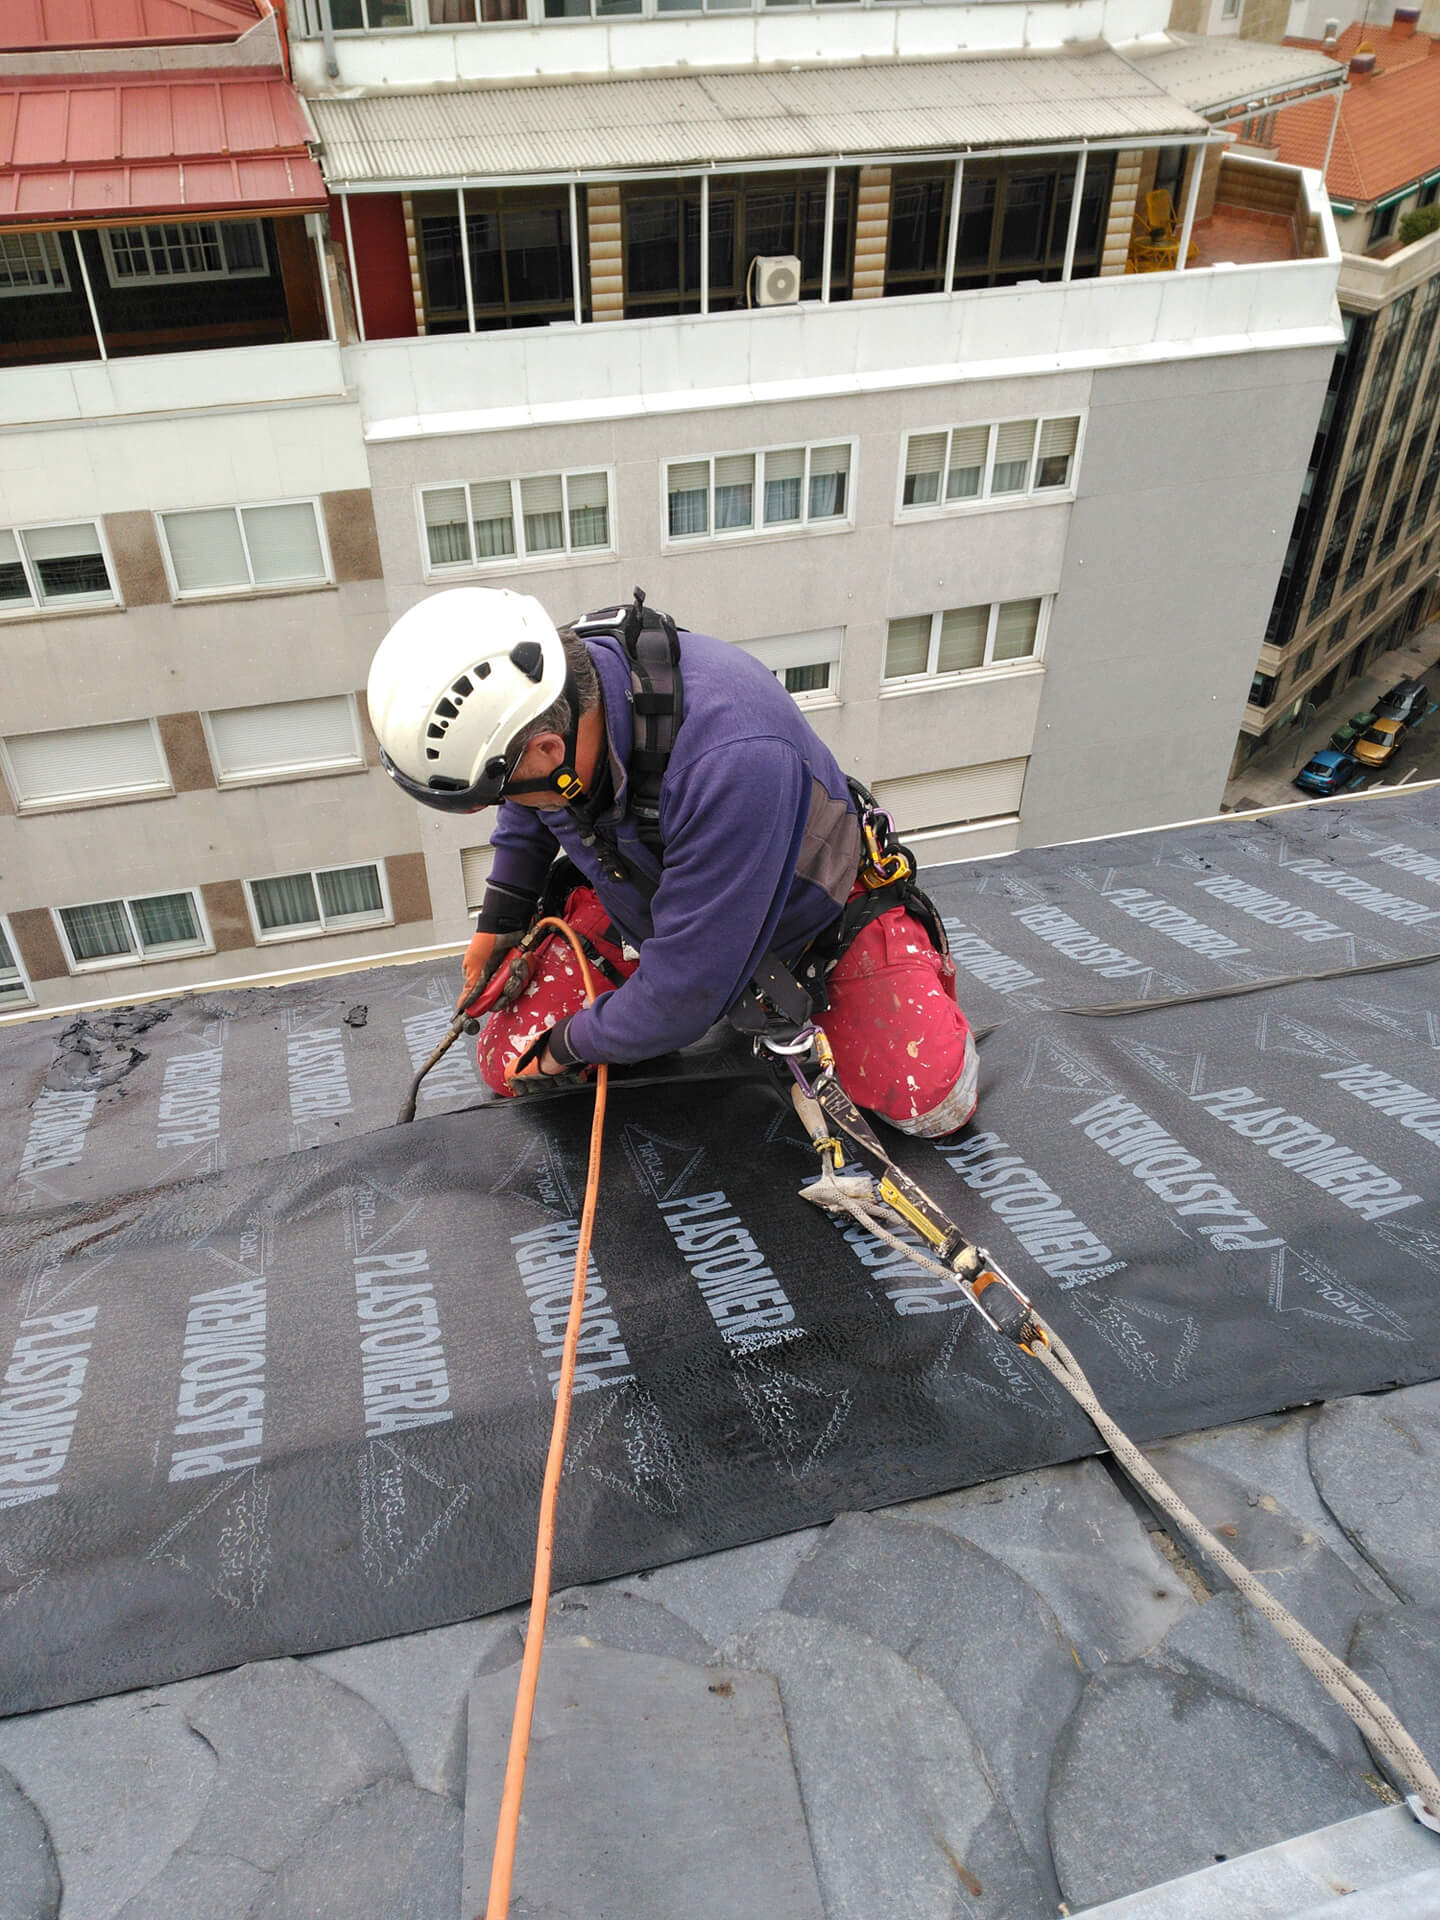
[[567, 556], [984, 500], [205, 943], [58, 273], [348, 924], [829, 644], [778, 530], [239, 508], [64, 603], [26, 995], [120, 281], [916, 682], [300, 769], [161, 789]]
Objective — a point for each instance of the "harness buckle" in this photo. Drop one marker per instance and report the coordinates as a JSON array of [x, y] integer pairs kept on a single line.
[[881, 869]]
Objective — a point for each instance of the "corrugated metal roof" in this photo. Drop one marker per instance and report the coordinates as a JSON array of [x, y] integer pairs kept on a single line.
[[679, 120], [32, 24], [194, 144], [1206, 72]]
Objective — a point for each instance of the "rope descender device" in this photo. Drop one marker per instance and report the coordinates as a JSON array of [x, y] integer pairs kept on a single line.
[[882, 868]]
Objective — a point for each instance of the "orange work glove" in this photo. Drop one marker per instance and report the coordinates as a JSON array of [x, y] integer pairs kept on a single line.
[[483, 955]]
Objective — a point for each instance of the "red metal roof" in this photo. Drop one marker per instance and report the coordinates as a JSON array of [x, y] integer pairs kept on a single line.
[[1389, 131], [74, 150], [27, 25]]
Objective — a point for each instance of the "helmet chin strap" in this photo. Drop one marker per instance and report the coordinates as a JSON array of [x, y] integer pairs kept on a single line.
[[563, 781]]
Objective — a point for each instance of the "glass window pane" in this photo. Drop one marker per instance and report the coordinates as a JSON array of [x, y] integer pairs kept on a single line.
[[829, 475], [652, 246], [14, 589], [734, 491], [244, 247], [493, 516], [284, 544], [962, 639], [349, 892], [924, 459], [1016, 627], [1057, 444], [813, 679], [445, 529], [68, 561], [907, 646], [1013, 443], [205, 549], [286, 901], [98, 932], [588, 495], [968, 448], [543, 508], [688, 489], [537, 248], [783, 474], [166, 920]]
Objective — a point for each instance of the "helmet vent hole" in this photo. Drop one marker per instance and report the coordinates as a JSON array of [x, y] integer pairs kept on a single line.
[[447, 708], [482, 672], [432, 732], [432, 753], [529, 657], [461, 687]]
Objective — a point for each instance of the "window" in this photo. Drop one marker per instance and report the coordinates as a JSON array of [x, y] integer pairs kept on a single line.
[[1382, 223], [805, 664], [1262, 689], [280, 740], [954, 797], [518, 241], [548, 514], [1370, 602], [348, 15], [32, 263], [78, 764], [1009, 459], [963, 639], [54, 566], [1338, 631], [752, 492], [14, 986], [125, 932], [1304, 660], [242, 549], [1400, 576], [332, 900], [194, 250]]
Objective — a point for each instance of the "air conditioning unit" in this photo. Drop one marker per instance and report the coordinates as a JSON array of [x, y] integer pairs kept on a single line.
[[777, 280]]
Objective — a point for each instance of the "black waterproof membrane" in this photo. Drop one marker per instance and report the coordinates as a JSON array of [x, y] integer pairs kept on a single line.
[[279, 1377]]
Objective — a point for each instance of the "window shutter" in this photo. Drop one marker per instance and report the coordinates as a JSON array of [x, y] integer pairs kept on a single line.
[[798, 649], [968, 447], [1057, 444], [1016, 624], [286, 735], [687, 485], [205, 549], [1014, 440], [787, 465], [69, 562], [784, 472], [731, 470], [734, 491], [924, 459], [954, 797], [829, 471], [588, 496], [284, 544], [78, 763], [907, 646], [474, 874], [962, 639]]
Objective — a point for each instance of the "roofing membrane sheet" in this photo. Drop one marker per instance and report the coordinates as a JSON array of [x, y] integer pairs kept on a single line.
[[295, 1368]]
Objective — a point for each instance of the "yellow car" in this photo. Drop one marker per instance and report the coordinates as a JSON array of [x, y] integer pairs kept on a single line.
[[1378, 743]]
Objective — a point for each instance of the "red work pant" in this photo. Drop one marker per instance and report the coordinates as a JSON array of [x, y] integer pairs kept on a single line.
[[903, 1049]]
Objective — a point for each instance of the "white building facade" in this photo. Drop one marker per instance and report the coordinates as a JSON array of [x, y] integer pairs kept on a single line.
[[999, 479]]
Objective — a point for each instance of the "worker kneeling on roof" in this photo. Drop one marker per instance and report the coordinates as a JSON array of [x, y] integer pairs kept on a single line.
[[716, 845]]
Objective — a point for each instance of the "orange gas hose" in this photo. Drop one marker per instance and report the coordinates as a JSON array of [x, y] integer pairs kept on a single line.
[[507, 1832]]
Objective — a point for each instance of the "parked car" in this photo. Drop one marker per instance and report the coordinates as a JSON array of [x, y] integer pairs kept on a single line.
[[1345, 735], [1376, 746], [1407, 701], [1330, 772]]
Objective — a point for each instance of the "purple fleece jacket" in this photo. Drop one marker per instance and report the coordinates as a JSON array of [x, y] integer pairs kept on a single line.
[[761, 847]]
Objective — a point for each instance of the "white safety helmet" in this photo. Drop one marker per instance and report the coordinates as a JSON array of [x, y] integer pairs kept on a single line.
[[452, 683]]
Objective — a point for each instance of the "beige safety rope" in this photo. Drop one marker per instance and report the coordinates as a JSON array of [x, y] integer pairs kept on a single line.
[[1378, 1723]]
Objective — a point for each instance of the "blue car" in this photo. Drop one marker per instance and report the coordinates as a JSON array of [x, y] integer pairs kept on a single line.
[[1330, 772]]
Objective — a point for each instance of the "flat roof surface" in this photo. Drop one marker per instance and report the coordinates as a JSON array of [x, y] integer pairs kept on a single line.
[[692, 119], [98, 148]]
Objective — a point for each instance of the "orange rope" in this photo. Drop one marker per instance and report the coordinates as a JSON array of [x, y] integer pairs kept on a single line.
[[507, 1832]]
